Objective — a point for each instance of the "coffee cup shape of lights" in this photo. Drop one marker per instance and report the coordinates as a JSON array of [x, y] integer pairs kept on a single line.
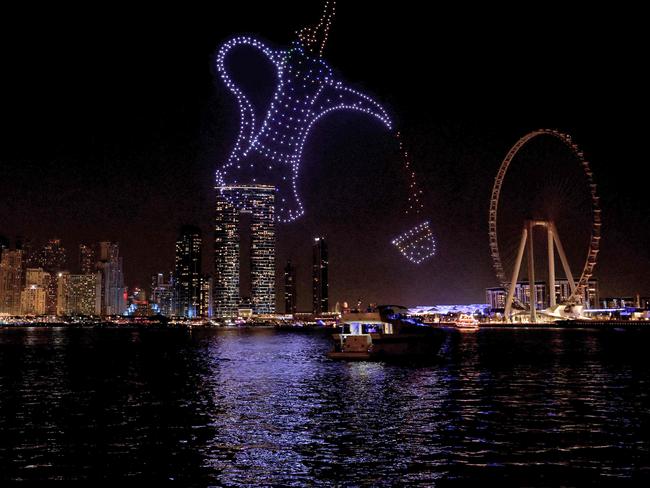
[[417, 244]]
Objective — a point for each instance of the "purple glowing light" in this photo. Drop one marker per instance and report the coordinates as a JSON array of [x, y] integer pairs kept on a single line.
[[271, 150]]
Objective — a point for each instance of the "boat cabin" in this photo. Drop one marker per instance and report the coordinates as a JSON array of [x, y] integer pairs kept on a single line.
[[368, 336]]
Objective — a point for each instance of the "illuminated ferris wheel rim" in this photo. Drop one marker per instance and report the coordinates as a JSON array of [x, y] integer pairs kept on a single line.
[[592, 253]]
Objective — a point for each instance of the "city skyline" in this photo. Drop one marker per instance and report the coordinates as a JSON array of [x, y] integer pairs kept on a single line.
[[144, 165], [325, 243]]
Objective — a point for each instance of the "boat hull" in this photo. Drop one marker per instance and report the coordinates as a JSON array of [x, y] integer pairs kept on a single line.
[[350, 356], [467, 328]]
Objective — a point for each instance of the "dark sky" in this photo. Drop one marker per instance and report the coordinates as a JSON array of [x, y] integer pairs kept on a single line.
[[113, 122]]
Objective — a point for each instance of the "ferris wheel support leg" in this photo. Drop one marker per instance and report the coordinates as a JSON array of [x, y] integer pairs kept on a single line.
[[532, 289], [515, 274], [563, 259], [551, 267]]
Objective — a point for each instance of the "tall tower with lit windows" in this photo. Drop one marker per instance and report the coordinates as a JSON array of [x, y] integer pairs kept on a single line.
[[259, 202], [187, 272], [320, 281]]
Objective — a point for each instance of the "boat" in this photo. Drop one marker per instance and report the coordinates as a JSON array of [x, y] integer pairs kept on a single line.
[[384, 334], [466, 322]]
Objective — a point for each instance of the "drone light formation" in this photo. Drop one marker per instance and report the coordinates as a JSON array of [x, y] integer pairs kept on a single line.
[[269, 151], [417, 244], [317, 35], [415, 205]]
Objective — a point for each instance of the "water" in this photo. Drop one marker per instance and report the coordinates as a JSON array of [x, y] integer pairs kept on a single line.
[[261, 407]]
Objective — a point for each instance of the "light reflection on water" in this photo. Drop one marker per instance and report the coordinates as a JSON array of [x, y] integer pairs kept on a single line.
[[260, 407]]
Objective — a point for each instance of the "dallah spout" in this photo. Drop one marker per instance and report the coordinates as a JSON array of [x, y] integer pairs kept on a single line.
[[337, 96]]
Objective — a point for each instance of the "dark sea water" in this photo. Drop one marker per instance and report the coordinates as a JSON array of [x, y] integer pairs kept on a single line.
[[266, 408]]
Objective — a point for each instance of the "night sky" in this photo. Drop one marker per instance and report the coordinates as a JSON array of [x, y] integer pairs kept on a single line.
[[114, 121]]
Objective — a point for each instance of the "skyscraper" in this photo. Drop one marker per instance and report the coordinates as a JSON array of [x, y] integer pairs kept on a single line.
[[32, 300], [162, 294], [62, 292], [206, 297], [11, 279], [36, 276], [290, 298], [86, 259], [113, 300], [187, 272], [81, 293], [52, 258], [33, 296], [320, 283], [259, 202]]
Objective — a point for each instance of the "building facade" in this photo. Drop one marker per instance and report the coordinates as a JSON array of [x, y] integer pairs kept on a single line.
[[32, 300], [320, 279], [591, 296], [36, 276], [496, 296], [52, 258], [86, 259], [618, 302], [113, 293], [163, 294], [206, 302], [187, 272], [231, 202], [79, 294], [11, 281], [290, 298]]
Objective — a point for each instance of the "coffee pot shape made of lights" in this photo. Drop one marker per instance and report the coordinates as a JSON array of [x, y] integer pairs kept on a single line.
[[269, 151]]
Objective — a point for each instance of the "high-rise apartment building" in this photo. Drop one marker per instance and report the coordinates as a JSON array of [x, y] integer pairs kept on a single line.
[[87, 263], [320, 279], [187, 272], [52, 258], [290, 298], [231, 202], [34, 294], [32, 300], [11, 281], [37, 276], [113, 296], [79, 294], [162, 294], [206, 304]]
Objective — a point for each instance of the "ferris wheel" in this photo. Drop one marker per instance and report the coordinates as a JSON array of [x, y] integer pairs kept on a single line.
[[508, 276]]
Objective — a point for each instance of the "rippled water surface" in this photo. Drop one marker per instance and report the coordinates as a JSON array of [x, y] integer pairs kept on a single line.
[[261, 407]]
